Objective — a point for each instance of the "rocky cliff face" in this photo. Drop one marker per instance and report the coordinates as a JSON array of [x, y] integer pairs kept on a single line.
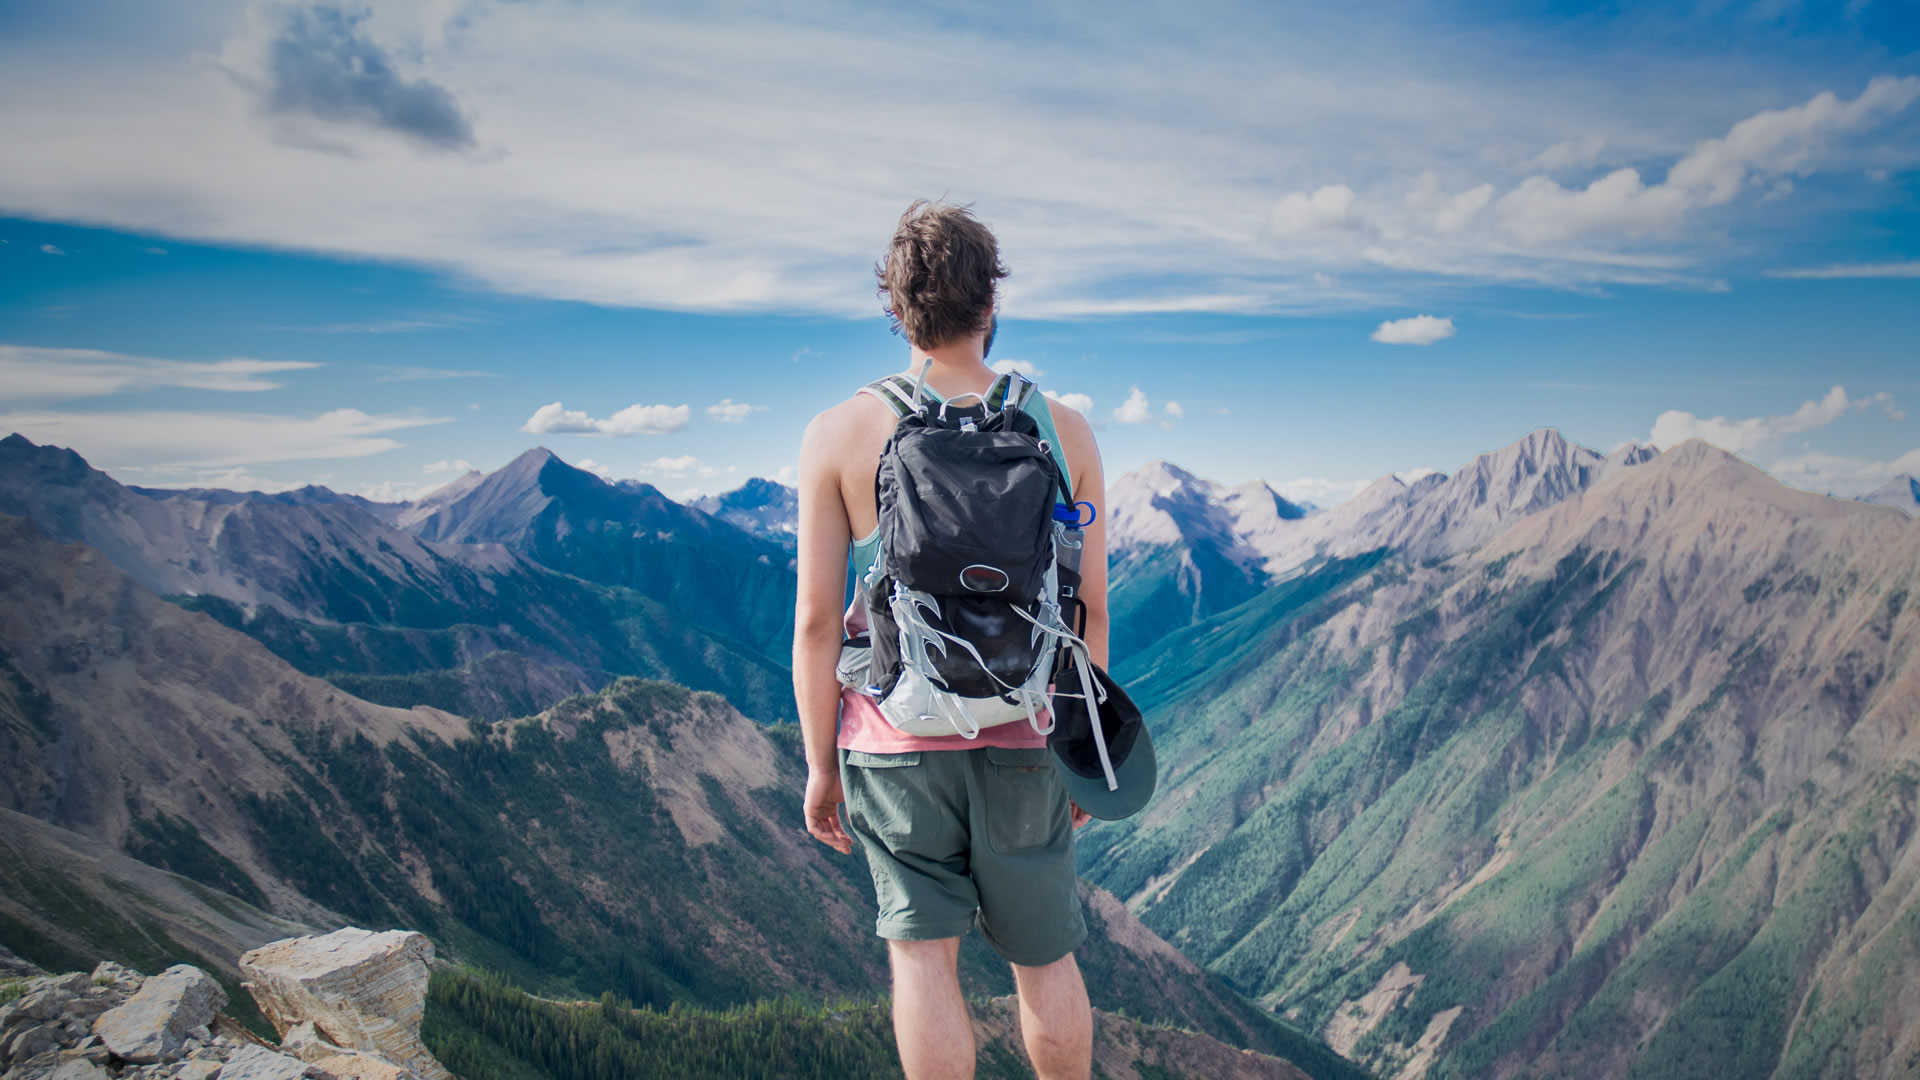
[[1628, 790]]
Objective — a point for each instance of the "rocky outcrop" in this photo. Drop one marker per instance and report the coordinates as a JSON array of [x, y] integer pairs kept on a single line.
[[324, 994], [157, 1020], [351, 990], [77, 1026]]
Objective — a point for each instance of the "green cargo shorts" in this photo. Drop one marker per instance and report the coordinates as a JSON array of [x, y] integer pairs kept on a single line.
[[964, 838]]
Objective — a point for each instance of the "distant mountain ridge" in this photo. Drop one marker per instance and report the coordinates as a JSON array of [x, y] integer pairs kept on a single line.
[[629, 535], [338, 592], [762, 507], [1902, 493], [1184, 548]]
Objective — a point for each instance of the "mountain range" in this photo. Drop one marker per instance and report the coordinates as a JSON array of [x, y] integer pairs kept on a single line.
[[182, 792], [1565, 764], [457, 610]]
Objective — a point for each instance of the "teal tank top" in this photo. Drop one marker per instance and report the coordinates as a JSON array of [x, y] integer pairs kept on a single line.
[[866, 547]]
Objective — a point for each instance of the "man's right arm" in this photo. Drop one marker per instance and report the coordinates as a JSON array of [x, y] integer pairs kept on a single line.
[[822, 564]]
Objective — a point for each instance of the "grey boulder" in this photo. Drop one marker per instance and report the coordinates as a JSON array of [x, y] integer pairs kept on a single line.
[[153, 1024], [259, 1063]]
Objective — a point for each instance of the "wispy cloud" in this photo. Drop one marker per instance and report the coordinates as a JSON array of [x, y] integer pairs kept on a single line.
[[555, 419], [1907, 269], [158, 441], [424, 374], [729, 411], [323, 65], [34, 374]]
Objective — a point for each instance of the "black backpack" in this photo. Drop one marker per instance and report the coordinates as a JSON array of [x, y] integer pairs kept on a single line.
[[971, 601]]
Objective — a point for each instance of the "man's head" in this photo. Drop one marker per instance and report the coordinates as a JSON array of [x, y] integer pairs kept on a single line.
[[938, 275]]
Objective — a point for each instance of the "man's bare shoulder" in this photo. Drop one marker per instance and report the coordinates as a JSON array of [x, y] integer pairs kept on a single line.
[[1076, 433], [849, 430]]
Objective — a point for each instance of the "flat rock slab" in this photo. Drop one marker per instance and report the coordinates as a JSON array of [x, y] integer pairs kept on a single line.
[[154, 1022], [361, 990], [259, 1063]]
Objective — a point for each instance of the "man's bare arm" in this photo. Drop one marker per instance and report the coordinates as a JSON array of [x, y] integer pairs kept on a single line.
[[822, 566]]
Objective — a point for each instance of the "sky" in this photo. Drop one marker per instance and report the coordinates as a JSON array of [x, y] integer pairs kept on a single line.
[[259, 244]]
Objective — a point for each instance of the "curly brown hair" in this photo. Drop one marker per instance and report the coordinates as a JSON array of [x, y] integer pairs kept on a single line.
[[939, 273]]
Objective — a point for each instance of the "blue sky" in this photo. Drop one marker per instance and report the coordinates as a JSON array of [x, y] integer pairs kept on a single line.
[[266, 244]]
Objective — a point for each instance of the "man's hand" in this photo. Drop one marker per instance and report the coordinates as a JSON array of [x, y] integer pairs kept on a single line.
[[823, 810], [1080, 817]]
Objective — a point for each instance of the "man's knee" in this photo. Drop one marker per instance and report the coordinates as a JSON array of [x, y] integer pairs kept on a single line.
[[938, 953]]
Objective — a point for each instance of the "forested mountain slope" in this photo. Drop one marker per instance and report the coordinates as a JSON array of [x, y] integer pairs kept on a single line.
[[1630, 790]]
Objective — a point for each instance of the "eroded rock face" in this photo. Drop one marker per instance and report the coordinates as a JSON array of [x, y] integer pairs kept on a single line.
[[156, 1021], [360, 990], [260, 1063]]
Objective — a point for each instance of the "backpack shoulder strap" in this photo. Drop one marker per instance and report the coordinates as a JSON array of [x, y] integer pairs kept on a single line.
[[896, 391]]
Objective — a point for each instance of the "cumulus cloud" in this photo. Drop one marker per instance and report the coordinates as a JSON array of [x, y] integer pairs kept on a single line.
[[459, 465], [161, 440], [1174, 410], [323, 65], [680, 467], [1329, 207], [51, 249], [1080, 403], [604, 472], [1908, 269], [1447, 213], [555, 419], [1135, 410], [1414, 476], [1024, 367], [786, 474], [31, 373], [729, 411], [1752, 433], [1417, 330], [1766, 146]]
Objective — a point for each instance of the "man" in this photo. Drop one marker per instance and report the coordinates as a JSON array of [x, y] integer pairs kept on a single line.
[[959, 833]]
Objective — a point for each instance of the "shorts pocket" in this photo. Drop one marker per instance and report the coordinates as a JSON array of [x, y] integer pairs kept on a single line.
[[1026, 802], [884, 795]]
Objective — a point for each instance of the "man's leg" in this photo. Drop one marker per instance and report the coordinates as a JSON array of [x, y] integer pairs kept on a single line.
[[1055, 1021], [930, 1022]]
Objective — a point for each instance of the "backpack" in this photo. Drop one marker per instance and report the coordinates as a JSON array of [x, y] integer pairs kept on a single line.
[[972, 605]]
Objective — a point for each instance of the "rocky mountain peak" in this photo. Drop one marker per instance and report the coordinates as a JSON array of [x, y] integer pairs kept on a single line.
[[1902, 493]]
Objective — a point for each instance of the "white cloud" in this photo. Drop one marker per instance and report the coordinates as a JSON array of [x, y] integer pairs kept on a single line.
[[394, 491], [1414, 476], [1416, 330], [1319, 490], [51, 250], [1174, 410], [563, 105], [604, 472], [679, 467], [1744, 436], [1447, 213], [1024, 367], [1775, 144], [1080, 403], [30, 373], [729, 411], [1908, 269], [1135, 410], [238, 478], [1569, 154], [162, 441], [459, 465], [786, 474], [1839, 474], [553, 419], [1329, 207]]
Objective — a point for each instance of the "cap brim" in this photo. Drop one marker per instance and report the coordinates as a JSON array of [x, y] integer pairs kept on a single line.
[[1137, 775]]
